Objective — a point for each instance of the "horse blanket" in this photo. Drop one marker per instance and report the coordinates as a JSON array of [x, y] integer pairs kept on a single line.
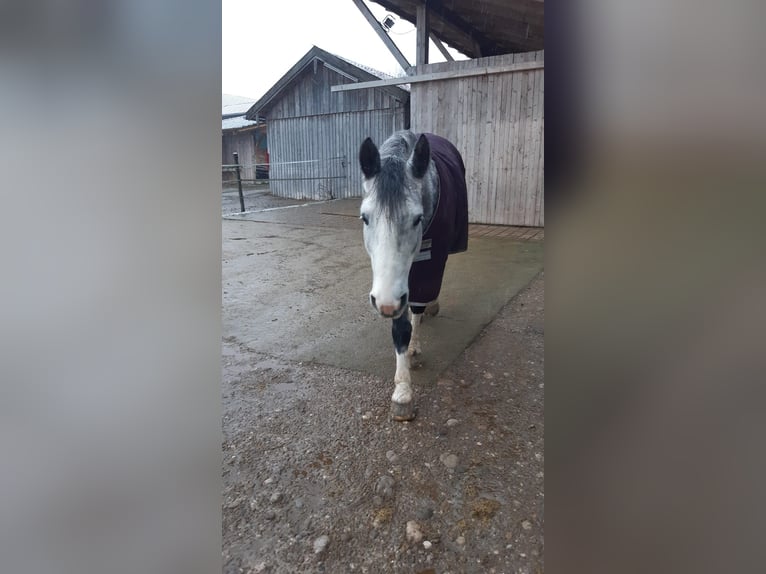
[[447, 231]]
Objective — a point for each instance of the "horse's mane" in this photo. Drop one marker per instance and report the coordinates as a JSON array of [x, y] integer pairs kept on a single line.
[[389, 186], [392, 178]]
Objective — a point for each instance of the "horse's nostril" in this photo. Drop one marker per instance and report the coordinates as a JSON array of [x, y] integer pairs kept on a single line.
[[372, 300]]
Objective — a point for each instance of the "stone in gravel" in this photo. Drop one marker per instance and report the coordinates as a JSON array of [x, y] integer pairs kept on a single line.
[[424, 512], [320, 544], [298, 503], [427, 545], [381, 517], [275, 497], [526, 525], [414, 535], [392, 457], [253, 503], [236, 502], [259, 568], [452, 422], [385, 486], [460, 540], [270, 515], [345, 537], [377, 500], [268, 481], [367, 416], [449, 460]]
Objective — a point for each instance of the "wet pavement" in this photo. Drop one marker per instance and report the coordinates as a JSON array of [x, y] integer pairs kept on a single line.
[[296, 284], [255, 197]]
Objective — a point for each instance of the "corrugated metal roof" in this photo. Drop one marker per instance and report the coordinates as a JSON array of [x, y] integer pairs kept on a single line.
[[232, 105], [368, 69], [236, 123]]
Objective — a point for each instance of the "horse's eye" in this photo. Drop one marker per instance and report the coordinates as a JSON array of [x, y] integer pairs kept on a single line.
[[418, 220], [363, 217]]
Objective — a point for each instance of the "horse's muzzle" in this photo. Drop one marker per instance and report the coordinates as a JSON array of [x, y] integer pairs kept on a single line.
[[390, 311]]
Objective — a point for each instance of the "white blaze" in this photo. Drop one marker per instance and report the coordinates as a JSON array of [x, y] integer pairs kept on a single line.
[[391, 258]]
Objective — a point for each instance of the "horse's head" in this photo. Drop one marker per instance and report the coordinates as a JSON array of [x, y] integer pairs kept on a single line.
[[393, 215]]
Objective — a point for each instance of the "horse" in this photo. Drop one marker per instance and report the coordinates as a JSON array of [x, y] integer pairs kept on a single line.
[[415, 214]]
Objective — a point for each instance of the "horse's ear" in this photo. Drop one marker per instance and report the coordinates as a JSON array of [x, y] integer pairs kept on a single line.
[[421, 157], [369, 158]]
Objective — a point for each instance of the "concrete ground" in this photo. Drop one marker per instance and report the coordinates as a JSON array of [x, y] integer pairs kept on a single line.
[[256, 196], [296, 286], [307, 375]]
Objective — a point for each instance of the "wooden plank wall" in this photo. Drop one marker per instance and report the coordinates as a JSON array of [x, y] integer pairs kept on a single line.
[[311, 96], [309, 122], [323, 137], [497, 123], [242, 143]]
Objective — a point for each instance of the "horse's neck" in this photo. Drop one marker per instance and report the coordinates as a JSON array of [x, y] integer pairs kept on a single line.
[[430, 197]]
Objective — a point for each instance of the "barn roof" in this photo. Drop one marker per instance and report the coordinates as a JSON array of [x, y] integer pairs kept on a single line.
[[237, 122], [232, 105], [356, 71], [480, 28]]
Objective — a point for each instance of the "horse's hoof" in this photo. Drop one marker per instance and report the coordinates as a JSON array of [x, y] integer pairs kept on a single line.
[[402, 411], [432, 309]]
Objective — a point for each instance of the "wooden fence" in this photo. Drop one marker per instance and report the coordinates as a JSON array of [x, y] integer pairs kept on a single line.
[[496, 120]]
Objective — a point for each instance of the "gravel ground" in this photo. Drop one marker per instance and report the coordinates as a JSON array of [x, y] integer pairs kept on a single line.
[[317, 478]]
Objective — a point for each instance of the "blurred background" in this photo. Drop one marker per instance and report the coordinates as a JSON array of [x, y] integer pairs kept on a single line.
[[655, 271], [110, 291]]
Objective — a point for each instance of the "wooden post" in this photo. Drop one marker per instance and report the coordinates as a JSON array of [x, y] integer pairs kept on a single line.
[[239, 183], [423, 32]]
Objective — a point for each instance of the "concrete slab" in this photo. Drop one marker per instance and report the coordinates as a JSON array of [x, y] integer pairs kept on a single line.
[[296, 283], [256, 198]]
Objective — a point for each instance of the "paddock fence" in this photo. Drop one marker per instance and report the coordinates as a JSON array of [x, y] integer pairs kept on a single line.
[[320, 176]]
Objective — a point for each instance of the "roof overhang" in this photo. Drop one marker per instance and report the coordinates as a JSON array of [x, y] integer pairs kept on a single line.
[[479, 28]]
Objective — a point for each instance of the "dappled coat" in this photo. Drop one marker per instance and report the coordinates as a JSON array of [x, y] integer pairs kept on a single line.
[[447, 232]]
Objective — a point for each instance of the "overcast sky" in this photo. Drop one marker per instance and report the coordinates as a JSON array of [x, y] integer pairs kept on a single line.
[[263, 39]]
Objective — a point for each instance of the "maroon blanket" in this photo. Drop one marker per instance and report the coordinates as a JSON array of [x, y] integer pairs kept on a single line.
[[448, 231]]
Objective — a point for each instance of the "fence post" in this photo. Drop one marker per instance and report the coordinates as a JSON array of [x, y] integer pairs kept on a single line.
[[239, 183]]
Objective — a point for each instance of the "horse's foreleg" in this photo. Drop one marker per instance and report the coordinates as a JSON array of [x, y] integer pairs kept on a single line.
[[401, 400], [416, 317]]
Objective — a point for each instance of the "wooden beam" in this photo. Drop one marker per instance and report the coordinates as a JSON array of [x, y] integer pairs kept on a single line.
[[435, 76], [423, 31], [382, 34], [442, 48]]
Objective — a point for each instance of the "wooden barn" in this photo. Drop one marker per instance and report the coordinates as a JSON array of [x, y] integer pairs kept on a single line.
[[491, 106], [315, 134], [246, 137]]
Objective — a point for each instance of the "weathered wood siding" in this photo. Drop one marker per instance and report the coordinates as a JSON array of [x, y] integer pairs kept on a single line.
[[315, 157], [497, 123], [244, 145], [314, 126]]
